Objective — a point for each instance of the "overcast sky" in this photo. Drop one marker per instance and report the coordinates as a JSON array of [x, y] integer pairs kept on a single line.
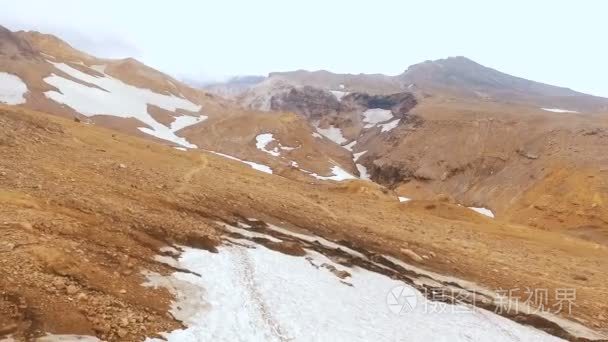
[[557, 42]]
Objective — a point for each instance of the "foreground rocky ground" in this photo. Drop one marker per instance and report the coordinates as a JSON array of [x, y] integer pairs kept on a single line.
[[84, 210]]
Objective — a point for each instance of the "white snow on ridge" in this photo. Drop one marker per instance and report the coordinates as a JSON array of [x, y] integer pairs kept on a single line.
[[12, 89], [333, 133], [483, 211], [270, 296], [372, 117], [255, 166], [558, 110], [119, 99]]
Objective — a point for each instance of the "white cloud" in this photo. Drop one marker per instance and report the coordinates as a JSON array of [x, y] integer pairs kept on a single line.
[[232, 37]]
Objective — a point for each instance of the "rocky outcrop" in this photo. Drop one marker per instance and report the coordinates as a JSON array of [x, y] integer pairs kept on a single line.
[[388, 174], [307, 101], [398, 103]]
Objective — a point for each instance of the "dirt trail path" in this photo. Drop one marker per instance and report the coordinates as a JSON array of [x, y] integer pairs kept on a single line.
[[187, 178]]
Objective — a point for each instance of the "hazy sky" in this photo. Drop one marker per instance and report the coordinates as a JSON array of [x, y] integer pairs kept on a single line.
[[557, 42]]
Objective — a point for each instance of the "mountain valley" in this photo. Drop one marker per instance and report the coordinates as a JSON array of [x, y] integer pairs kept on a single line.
[[134, 206]]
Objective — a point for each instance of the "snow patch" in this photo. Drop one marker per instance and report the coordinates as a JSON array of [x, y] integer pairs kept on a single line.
[[558, 110], [181, 148], [121, 100], [372, 117], [12, 89], [262, 140], [404, 199], [317, 135], [483, 211], [333, 133], [358, 155]]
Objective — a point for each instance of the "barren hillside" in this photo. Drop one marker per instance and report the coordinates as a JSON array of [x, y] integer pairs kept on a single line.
[[77, 239]]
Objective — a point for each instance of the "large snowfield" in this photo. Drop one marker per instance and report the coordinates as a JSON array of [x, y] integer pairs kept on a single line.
[[113, 97], [253, 293]]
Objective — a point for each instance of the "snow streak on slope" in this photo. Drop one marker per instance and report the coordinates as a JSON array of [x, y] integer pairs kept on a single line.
[[12, 89], [483, 211], [557, 110], [119, 99], [256, 166], [257, 294]]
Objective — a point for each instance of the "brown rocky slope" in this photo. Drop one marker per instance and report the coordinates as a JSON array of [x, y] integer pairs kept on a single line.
[[87, 210]]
